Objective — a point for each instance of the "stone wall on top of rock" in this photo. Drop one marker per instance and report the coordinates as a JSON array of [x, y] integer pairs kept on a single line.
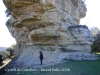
[[46, 23]]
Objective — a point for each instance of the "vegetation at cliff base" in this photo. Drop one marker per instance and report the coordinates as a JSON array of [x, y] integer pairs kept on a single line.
[[96, 35], [8, 53]]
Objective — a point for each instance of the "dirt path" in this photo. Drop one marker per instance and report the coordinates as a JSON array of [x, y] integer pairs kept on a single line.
[[5, 62]]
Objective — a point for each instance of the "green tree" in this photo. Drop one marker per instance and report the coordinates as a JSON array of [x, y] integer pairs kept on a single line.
[[5, 54], [96, 34], [11, 49]]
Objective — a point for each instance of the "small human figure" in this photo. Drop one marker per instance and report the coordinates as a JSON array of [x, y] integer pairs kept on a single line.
[[1, 60], [41, 57]]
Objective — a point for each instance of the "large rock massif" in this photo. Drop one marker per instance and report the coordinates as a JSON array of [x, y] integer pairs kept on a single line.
[[50, 26]]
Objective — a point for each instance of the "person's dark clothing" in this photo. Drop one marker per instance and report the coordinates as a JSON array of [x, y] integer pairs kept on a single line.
[[41, 61], [1, 60], [41, 57]]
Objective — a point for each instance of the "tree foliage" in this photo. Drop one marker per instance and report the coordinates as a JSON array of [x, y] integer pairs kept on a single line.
[[7, 13], [96, 34], [11, 49], [8, 53], [3, 55]]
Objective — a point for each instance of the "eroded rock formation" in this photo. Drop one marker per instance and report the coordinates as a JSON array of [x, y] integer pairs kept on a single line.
[[48, 25]]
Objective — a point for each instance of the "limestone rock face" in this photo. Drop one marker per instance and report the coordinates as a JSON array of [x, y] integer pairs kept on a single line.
[[49, 25]]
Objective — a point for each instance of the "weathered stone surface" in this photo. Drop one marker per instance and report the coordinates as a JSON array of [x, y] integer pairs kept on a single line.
[[48, 25]]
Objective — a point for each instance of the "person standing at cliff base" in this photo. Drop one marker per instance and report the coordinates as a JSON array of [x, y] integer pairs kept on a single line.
[[41, 57]]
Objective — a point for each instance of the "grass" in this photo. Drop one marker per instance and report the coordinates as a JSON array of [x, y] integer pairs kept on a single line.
[[72, 68]]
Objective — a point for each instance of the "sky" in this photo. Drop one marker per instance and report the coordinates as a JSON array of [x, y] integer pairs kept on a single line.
[[6, 39], [92, 19]]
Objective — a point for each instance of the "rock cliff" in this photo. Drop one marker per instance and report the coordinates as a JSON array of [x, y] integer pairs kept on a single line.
[[50, 26]]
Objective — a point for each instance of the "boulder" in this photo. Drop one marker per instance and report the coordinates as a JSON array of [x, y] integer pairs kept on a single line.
[[50, 26]]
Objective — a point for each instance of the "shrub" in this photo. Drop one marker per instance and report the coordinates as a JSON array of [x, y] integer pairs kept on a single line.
[[7, 13], [11, 49], [96, 34], [5, 54]]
